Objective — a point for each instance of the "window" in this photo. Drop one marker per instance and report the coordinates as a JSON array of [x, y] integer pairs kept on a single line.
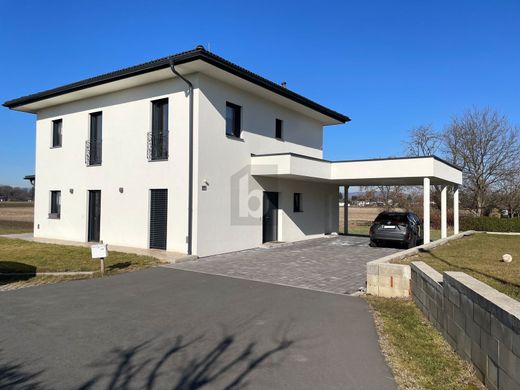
[[55, 205], [158, 138], [297, 202], [279, 128], [94, 144], [233, 118], [56, 133]]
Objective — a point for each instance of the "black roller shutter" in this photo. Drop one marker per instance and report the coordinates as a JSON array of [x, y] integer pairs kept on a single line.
[[158, 218]]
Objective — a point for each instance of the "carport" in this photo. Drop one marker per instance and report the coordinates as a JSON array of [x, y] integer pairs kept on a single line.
[[407, 171]]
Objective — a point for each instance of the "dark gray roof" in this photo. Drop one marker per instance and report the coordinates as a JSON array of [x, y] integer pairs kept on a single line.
[[199, 53]]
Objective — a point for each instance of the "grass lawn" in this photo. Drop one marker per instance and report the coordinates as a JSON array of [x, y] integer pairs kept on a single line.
[[25, 256], [15, 227], [417, 353], [435, 234], [480, 256], [16, 217]]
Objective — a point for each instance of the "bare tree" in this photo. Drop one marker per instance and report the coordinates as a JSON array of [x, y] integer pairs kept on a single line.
[[508, 194], [485, 145], [390, 196], [422, 141], [425, 141]]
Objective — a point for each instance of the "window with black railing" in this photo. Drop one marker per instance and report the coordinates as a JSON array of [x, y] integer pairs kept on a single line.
[[93, 146], [157, 145], [93, 152], [158, 138]]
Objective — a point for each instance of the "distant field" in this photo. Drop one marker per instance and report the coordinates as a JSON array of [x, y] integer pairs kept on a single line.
[[360, 219], [16, 217]]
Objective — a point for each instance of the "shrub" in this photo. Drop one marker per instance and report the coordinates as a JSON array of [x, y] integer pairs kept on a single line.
[[490, 224], [435, 217]]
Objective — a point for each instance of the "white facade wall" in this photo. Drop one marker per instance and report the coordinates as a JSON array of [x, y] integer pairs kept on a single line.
[[126, 122], [221, 222], [230, 211]]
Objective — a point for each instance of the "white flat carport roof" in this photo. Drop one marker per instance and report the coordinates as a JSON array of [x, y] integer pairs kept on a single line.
[[388, 171]]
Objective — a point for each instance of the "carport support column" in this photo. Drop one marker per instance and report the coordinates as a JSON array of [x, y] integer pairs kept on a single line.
[[426, 209], [456, 210], [444, 211], [345, 210]]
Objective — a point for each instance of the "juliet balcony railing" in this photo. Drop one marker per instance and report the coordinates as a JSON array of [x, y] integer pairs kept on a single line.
[[93, 152], [157, 146]]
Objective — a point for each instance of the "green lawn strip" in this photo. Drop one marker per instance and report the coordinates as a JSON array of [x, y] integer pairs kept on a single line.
[[419, 356], [480, 256], [16, 204], [26, 256], [435, 234], [15, 227], [14, 282]]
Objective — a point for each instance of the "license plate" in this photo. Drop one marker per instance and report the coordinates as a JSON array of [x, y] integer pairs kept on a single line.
[[389, 227]]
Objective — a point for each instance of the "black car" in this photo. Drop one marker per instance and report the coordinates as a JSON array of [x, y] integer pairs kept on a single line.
[[396, 227]]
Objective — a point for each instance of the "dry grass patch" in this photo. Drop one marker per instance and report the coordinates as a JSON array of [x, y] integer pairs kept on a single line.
[[19, 256], [16, 217], [15, 227], [419, 356], [480, 256]]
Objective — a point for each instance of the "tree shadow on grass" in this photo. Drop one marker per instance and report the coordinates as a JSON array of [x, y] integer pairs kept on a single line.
[[13, 271], [458, 267], [186, 364], [118, 266]]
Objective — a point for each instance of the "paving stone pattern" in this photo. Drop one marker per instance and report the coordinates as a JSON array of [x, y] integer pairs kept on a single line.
[[335, 264]]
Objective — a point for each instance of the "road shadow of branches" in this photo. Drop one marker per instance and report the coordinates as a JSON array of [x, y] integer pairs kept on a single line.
[[188, 364], [14, 375]]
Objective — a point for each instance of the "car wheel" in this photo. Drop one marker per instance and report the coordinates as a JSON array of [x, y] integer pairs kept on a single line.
[[412, 243], [373, 244]]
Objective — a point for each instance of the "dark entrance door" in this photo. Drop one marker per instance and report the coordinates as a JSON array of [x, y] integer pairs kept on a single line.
[[94, 215], [158, 218], [270, 217]]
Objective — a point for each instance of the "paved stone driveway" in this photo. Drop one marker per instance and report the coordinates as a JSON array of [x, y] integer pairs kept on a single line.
[[335, 264]]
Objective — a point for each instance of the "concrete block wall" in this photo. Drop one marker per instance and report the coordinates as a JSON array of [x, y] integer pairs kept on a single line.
[[427, 292], [480, 323], [389, 280]]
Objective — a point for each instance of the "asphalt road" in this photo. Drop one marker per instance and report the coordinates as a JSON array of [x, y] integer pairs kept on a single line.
[[170, 329]]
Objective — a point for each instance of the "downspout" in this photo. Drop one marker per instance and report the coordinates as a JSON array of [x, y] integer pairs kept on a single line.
[[190, 157]]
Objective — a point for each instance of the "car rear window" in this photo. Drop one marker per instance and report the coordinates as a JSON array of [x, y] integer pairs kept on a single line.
[[391, 218]]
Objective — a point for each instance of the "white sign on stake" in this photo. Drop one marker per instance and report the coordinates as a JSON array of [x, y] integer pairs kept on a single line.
[[99, 251]]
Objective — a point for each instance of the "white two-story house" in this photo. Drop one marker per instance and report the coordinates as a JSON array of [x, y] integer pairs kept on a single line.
[[192, 153]]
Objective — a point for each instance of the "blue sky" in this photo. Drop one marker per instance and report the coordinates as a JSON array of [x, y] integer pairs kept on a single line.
[[389, 65]]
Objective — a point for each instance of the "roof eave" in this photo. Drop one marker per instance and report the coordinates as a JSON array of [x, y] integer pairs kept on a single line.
[[181, 58]]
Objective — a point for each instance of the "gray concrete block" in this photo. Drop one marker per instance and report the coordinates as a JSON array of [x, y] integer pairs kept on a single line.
[[453, 295], [466, 305], [464, 345], [448, 308], [502, 333], [451, 341], [515, 345], [505, 382], [478, 357], [473, 331], [453, 329], [509, 362], [482, 318], [459, 317], [491, 374], [489, 345]]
